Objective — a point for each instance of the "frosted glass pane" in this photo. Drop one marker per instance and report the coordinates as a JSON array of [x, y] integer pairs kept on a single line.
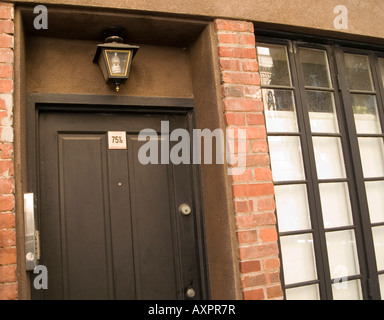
[[322, 114], [286, 159], [358, 72], [292, 207], [279, 110], [347, 290], [372, 156], [381, 281], [310, 292], [335, 205], [375, 195], [365, 113], [378, 240], [342, 254], [273, 65], [329, 157], [298, 258], [315, 67]]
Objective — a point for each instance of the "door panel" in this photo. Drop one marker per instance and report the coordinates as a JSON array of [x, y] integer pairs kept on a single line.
[[110, 226]]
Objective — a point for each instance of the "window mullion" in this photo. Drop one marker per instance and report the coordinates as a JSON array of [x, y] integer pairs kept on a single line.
[[311, 176], [366, 252]]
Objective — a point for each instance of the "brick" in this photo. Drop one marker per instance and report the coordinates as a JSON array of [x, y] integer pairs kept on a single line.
[[273, 263], [6, 168], [235, 118], [6, 86], [230, 25], [258, 251], [6, 55], [259, 146], [243, 206], [255, 220], [258, 160], [7, 256], [248, 78], [7, 238], [233, 104], [7, 202], [6, 71], [230, 90], [6, 150], [273, 277], [251, 132], [266, 204], [252, 92], [234, 145], [247, 236], [229, 64], [6, 26], [254, 280], [268, 234], [263, 174], [252, 190], [255, 119], [250, 266], [274, 292], [247, 175], [8, 291], [249, 65], [227, 37], [8, 274], [7, 220], [236, 52], [256, 294], [6, 11], [247, 39]]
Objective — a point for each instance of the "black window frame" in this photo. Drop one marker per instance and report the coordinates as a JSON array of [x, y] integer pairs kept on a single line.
[[362, 226]]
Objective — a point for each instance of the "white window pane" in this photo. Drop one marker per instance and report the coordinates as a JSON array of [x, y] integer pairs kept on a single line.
[[381, 281], [286, 159], [321, 107], [292, 207], [279, 110], [342, 254], [310, 292], [298, 258], [365, 112], [329, 157], [335, 204], [375, 195], [347, 290], [378, 240], [372, 156]]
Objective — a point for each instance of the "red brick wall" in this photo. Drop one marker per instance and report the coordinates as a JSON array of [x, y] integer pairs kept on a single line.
[[8, 281], [252, 190]]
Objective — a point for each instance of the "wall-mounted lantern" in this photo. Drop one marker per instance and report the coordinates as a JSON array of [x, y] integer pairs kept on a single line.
[[114, 57]]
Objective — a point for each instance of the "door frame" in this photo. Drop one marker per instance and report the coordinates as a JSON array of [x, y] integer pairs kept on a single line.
[[36, 102]]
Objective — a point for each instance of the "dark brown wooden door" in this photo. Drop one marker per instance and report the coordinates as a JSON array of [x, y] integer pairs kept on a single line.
[[109, 226]]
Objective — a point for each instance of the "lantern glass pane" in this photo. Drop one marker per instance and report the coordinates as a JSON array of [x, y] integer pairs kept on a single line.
[[118, 61]]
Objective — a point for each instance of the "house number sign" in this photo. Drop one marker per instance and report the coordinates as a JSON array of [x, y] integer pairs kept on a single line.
[[117, 140]]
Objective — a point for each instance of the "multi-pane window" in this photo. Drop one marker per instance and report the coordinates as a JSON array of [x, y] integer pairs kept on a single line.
[[324, 118]]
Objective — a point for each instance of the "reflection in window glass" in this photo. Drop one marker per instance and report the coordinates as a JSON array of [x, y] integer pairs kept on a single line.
[[342, 253], [292, 207], [347, 290], [279, 110], [286, 159], [315, 68], [372, 156], [273, 65], [381, 65], [375, 192], [358, 72], [335, 204], [322, 114], [378, 240], [329, 157], [298, 258], [310, 292], [365, 112]]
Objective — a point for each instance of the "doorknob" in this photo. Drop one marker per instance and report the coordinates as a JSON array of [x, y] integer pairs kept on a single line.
[[31, 238], [190, 293], [185, 209]]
